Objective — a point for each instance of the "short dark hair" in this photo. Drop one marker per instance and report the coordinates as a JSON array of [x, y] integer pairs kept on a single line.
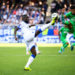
[[25, 18]]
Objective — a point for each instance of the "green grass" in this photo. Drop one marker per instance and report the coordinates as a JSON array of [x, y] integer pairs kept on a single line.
[[49, 62]]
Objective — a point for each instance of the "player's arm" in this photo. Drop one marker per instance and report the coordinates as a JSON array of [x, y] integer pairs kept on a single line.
[[15, 31], [31, 26]]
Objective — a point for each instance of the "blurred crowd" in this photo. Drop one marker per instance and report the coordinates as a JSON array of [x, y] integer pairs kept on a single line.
[[11, 13]]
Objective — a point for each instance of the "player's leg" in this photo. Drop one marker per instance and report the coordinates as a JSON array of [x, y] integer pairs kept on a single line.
[[65, 44], [31, 58], [72, 46], [44, 27]]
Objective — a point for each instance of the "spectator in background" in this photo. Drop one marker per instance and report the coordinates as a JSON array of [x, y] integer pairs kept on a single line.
[[0, 3], [4, 17], [54, 6], [12, 14], [3, 6], [56, 31], [1, 15], [45, 6], [60, 4], [66, 3], [57, 24], [73, 2]]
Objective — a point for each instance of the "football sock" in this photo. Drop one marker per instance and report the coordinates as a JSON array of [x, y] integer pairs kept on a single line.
[[44, 27], [31, 58]]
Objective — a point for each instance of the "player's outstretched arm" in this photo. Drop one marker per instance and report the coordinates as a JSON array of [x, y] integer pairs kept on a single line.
[[31, 26]]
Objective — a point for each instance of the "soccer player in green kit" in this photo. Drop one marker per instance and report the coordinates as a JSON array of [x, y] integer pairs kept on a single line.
[[71, 23], [62, 36]]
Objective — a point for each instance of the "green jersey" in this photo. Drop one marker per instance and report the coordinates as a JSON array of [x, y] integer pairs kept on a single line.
[[71, 17], [64, 32], [72, 21]]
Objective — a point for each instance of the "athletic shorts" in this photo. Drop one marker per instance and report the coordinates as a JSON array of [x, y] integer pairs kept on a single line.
[[29, 39]]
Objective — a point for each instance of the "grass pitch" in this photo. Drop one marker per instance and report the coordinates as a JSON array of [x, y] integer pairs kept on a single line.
[[49, 62]]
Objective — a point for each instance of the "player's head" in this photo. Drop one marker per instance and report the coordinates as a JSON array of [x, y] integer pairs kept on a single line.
[[25, 18]]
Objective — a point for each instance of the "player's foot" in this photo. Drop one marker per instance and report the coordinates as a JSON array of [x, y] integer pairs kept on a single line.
[[38, 52], [72, 47], [27, 53], [60, 52], [27, 69]]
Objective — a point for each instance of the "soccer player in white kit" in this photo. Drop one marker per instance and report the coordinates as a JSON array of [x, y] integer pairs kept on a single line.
[[29, 37], [33, 29]]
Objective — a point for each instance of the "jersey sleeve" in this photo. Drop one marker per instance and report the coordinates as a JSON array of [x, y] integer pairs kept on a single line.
[[68, 14], [61, 29]]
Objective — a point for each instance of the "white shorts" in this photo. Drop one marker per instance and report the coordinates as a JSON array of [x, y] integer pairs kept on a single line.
[[29, 39]]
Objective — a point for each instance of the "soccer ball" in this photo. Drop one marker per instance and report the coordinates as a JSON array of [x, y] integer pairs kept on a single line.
[[55, 15]]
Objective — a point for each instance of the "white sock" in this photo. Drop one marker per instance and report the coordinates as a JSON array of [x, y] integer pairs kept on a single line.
[[31, 58], [44, 27]]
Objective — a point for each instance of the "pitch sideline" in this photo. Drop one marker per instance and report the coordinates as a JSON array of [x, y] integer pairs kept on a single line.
[[23, 45]]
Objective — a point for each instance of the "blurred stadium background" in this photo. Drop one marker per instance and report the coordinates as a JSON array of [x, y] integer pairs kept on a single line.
[[39, 10], [13, 59]]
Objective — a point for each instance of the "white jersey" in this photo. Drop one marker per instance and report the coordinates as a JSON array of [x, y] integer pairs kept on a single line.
[[24, 27], [26, 31]]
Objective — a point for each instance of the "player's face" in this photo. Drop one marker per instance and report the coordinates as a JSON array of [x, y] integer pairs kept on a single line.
[[26, 20], [31, 21]]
